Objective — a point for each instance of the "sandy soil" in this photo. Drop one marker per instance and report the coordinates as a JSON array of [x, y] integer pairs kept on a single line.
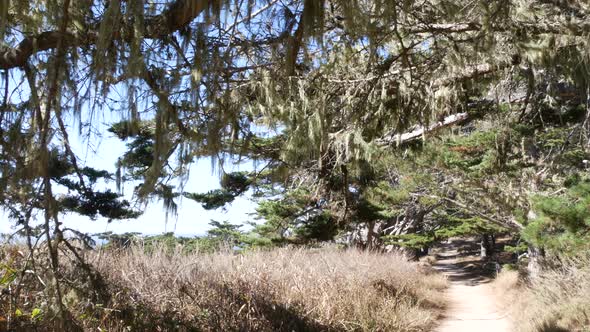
[[472, 304]]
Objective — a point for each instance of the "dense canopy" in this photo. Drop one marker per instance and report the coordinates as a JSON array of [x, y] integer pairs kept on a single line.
[[376, 124], [382, 123]]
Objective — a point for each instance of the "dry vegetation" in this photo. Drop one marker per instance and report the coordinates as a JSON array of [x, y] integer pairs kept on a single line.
[[280, 290], [558, 301]]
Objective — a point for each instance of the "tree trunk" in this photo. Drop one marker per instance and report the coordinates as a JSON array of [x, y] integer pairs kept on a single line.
[[486, 249], [536, 254], [370, 235], [409, 223], [483, 251], [535, 265]]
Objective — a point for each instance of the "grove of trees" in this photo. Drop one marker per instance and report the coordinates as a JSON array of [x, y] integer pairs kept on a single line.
[[377, 123]]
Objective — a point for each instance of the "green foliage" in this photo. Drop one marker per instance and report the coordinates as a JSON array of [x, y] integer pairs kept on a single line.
[[297, 217], [456, 226], [517, 249], [132, 129], [82, 198], [8, 276], [562, 224], [140, 150], [261, 148], [223, 234], [478, 154], [563, 139], [213, 199], [232, 185], [391, 195], [446, 225], [334, 86], [36, 314], [509, 267], [411, 240], [235, 182], [92, 203], [367, 210], [320, 227]]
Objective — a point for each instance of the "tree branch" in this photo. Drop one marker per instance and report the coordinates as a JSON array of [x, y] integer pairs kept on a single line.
[[470, 72], [511, 224], [18, 56], [176, 17], [445, 28], [535, 28], [417, 133]]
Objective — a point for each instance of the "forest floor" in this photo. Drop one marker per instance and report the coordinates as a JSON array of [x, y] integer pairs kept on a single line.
[[472, 306]]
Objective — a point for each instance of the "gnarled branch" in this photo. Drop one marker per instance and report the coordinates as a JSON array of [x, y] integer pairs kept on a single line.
[[177, 16]]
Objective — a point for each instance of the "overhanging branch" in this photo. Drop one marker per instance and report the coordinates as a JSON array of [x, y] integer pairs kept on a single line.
[[533, 28], [421, 131], [177, 16], [18, 56], [470, 72]]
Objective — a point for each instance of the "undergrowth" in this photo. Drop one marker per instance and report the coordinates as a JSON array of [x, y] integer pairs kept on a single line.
[[558, 300], [286, 289]]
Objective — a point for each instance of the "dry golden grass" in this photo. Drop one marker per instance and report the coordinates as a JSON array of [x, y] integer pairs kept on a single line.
[[284, 289], [280, 290], [557, 301]]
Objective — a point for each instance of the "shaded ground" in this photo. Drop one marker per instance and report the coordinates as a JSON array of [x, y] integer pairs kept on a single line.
[[472, 306]]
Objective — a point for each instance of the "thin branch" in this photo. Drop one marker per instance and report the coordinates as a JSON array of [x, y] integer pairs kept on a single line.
[[251, 16]]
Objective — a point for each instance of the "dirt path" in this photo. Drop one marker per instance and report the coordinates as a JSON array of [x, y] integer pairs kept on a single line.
[[470, 297]]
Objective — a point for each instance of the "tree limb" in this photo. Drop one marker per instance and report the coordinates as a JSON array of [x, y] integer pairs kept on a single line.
[[18, 56], [418, 132], [535, 28], [176, 17], [511, 224], [470, 72]]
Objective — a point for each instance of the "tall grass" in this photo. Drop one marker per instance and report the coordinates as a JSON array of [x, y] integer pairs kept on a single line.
[[557, 301], [278, 290]]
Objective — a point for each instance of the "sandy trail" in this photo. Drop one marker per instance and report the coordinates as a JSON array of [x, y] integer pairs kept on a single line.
[[472, 305]]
